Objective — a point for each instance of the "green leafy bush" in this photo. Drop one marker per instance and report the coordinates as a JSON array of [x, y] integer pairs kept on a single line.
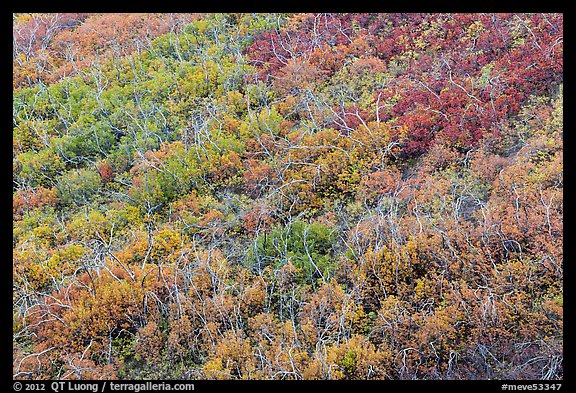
[[307, 246]]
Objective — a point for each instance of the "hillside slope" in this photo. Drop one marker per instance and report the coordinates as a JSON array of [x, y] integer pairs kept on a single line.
[[288, 196]]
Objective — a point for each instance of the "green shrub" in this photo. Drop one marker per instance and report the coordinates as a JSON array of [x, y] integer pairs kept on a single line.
[[307, 246]]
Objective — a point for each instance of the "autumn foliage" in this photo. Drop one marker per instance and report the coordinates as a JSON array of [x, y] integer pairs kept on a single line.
[[288, 196]]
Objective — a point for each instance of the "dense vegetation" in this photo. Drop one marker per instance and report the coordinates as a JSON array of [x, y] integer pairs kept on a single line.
[[288, 196]]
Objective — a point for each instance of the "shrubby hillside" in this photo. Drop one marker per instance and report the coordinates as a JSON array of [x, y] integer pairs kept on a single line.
[[288, 196]]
